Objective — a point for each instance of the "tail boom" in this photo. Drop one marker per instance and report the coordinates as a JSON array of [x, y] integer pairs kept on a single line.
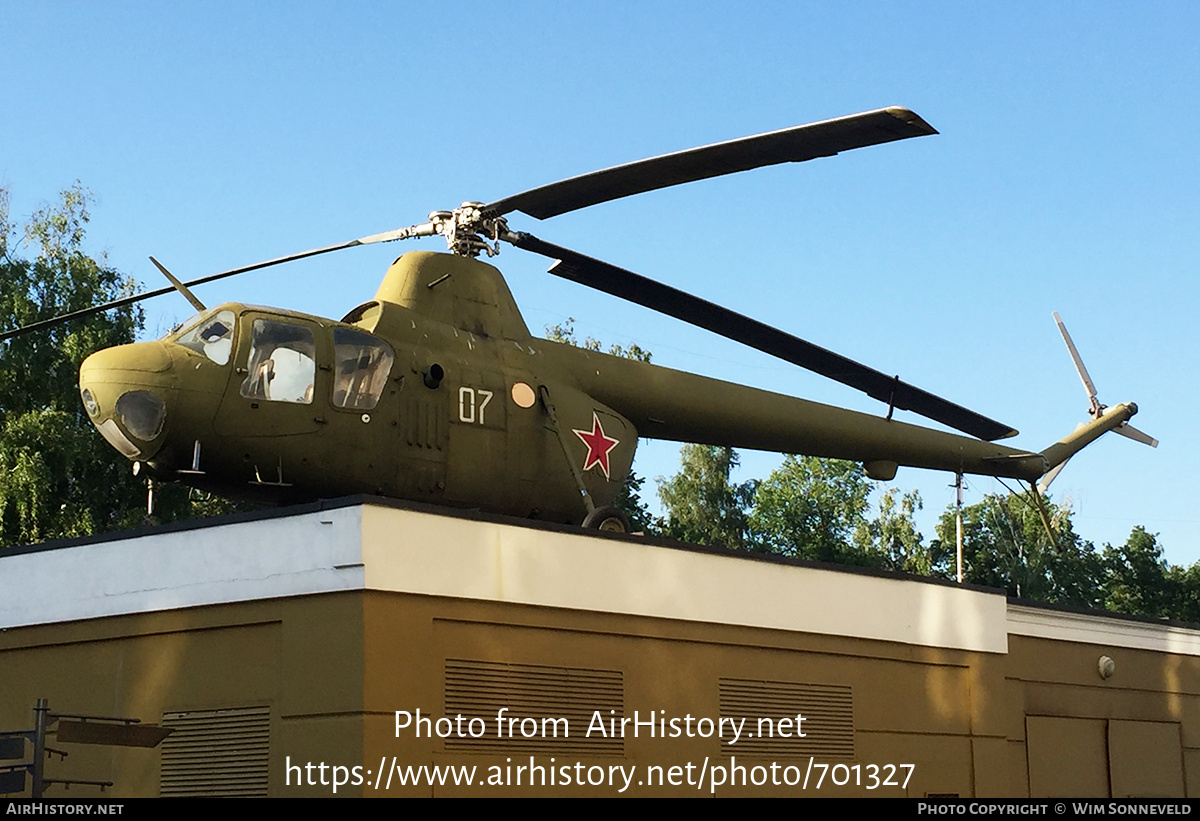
[[1072, 443]]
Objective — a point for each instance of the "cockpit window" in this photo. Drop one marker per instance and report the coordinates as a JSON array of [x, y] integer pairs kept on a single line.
[[186, 324], [281, 364], [212, 337], [361, 367]]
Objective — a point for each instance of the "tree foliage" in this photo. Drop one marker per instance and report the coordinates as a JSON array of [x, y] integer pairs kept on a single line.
[[629, 500], [1138, 580], [702, 505], [58, 477], [41, 370], [808, 508], [813, 508], [896, 544], [1185, 584], [1005, 545]]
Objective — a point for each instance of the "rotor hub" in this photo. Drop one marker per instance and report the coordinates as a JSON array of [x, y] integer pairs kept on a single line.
[[468, 231]]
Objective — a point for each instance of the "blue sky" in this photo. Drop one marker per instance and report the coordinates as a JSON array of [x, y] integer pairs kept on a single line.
[[1064, 178]]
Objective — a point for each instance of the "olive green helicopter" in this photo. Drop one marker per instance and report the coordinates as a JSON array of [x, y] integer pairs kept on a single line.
[[435, 390]]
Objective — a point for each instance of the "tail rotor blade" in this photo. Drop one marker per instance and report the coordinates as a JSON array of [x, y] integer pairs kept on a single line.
[[1136, 435], [1088, 385], [1044, 483], [1096, 409]]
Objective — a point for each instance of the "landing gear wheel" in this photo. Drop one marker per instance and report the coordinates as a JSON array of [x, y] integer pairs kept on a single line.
[[608, 519]]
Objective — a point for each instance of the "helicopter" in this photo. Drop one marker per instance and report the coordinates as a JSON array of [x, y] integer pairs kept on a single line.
[[436, 391]]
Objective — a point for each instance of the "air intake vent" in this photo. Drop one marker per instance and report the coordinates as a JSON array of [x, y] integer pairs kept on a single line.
[[828, 725], [216, 752], [480, 689]]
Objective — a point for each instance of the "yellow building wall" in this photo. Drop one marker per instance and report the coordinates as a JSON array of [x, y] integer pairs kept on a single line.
[[1027, 714]]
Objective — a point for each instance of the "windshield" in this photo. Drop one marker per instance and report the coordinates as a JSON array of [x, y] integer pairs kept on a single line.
[[211, 336]]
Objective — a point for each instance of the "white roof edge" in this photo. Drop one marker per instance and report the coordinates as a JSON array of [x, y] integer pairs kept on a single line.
[[381, 547], [1095, 628], [309, 552]]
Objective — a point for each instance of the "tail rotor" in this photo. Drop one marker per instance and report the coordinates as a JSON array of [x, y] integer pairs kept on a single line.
[[1095, 407]]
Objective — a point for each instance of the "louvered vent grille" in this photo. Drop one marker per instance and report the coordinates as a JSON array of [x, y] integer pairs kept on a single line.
[[481, 688], [828, 711], [216, 752]]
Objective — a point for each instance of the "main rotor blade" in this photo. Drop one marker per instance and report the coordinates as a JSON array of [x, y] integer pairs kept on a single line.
[[673, 302], [179, 286], [387, 236], [681, 305], [803, 142]]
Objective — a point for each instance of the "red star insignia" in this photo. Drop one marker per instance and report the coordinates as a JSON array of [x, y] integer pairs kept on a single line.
[[598, 445]]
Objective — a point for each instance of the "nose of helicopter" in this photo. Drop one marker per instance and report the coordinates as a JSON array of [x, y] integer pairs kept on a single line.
[[125, 392]]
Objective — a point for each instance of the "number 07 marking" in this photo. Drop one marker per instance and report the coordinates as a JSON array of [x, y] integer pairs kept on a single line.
[[472, 402]]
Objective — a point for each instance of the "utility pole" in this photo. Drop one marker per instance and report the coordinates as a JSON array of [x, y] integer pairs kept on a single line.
[[958, 486]]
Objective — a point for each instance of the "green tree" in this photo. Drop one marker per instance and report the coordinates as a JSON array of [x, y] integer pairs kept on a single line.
[[1185, 585], [1005, 545], [628, 498], [702, 505], [1137, 579], [808, 508], [814, 508], [41, 370], [895, 543], [820, 509], [58, 477]]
